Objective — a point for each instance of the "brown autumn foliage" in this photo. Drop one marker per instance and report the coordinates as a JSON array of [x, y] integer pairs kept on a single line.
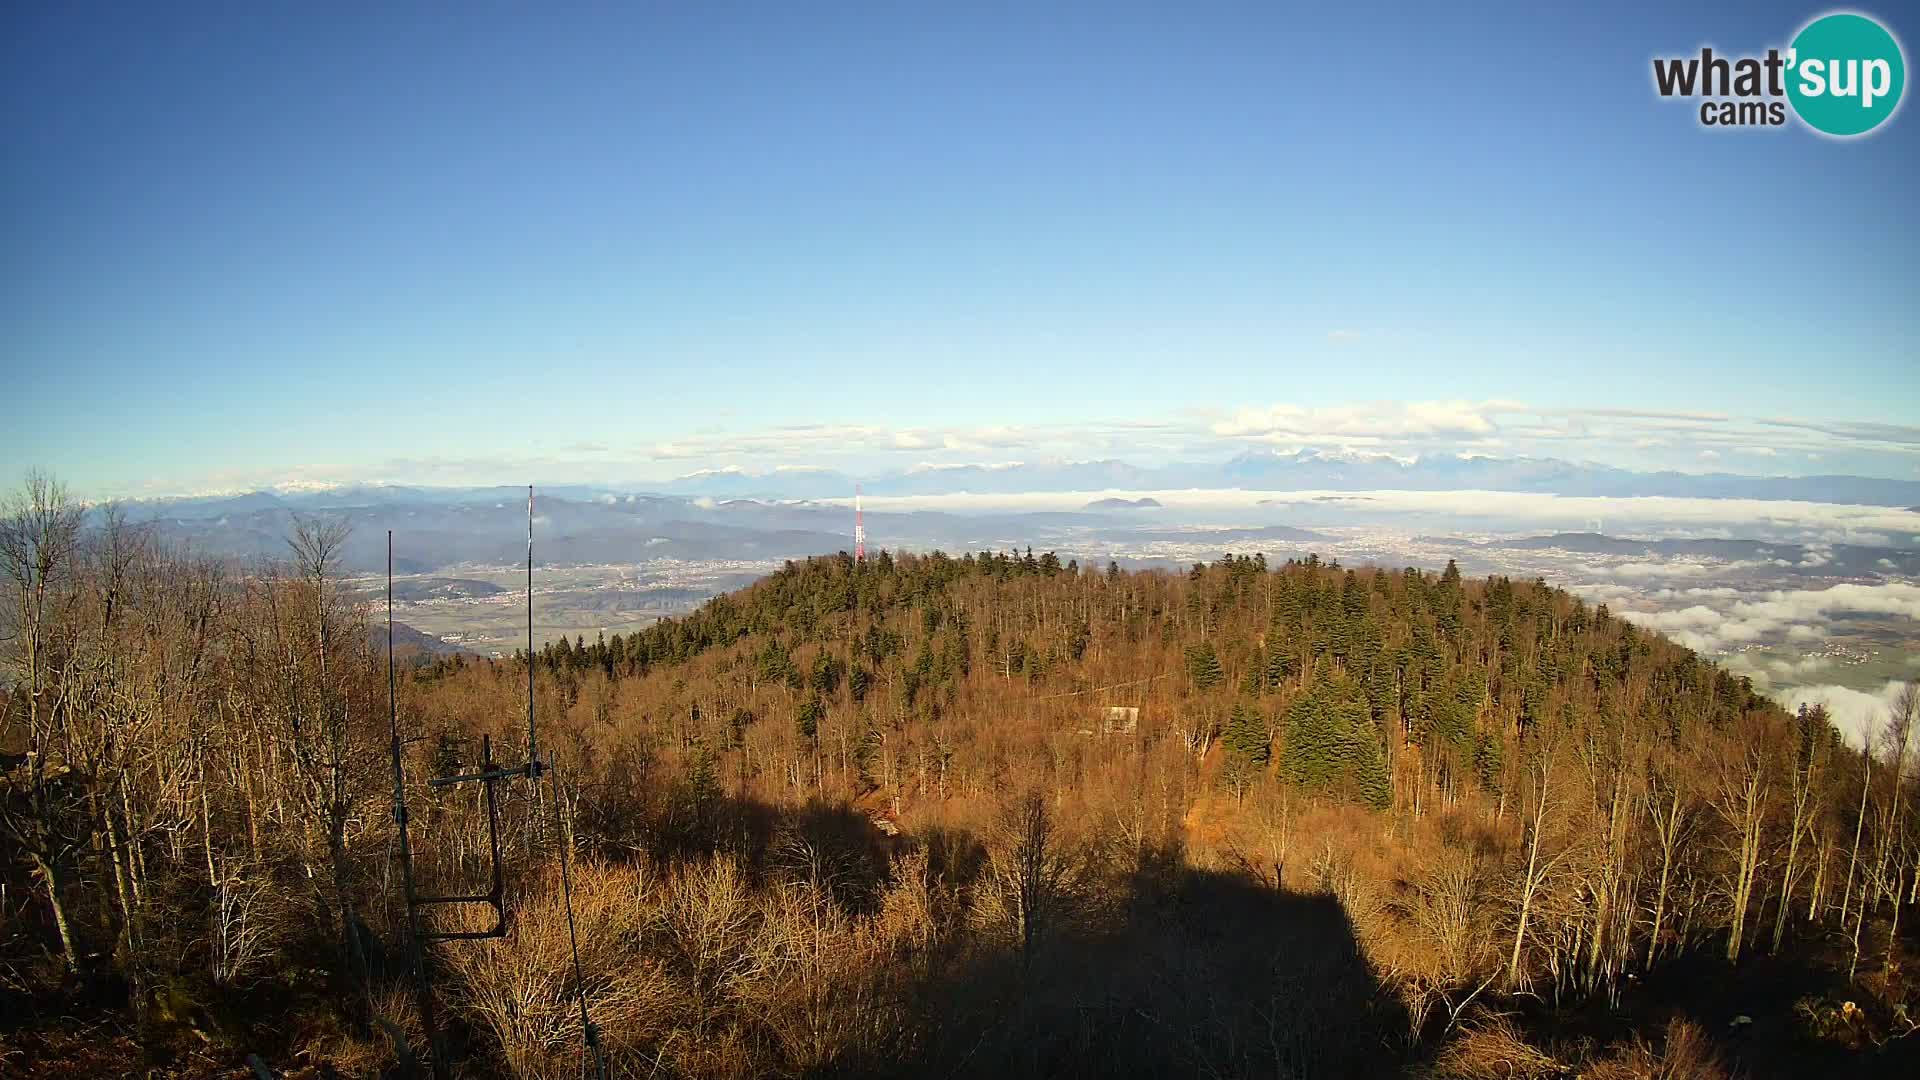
[[871, 819]]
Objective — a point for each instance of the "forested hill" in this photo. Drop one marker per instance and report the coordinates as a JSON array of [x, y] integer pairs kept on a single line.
[[1514, 797], [1338, 677]]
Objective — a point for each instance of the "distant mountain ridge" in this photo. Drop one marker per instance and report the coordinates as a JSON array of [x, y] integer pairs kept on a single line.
[[450, 528], [1308, 470], [1277, 470], [487, 527], [766, 518]]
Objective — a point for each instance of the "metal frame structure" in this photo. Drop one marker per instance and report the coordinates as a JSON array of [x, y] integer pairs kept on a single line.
[[488, 777]]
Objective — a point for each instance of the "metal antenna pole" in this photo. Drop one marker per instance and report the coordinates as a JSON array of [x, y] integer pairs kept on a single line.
[[489, 774], [436, 1058], [594, 1061], [533, 750]]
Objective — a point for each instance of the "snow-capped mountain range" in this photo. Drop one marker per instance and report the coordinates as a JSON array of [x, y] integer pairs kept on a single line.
[[1301, 470]]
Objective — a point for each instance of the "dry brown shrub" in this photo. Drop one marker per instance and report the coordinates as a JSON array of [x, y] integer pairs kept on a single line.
[[352, 1054], [1433, 943], [720, 1054], [249, 921], [375, 1049], [1688, 1055], [1447, 905], [912, 912], [818, 981], [1493, 1049], [708, 914], [396, 1017], [1041, 875], [521, 990]]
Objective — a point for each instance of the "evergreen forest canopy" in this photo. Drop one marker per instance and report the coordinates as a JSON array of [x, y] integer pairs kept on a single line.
[[992, 814]]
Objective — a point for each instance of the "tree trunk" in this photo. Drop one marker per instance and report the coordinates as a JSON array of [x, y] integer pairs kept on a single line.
[[1853, 859], [1744, 807], [136, 858], [343, 891], [1820, 878], [1669, 838], [52, 880], [1802, 795], [1893, 930], [1526, 909]]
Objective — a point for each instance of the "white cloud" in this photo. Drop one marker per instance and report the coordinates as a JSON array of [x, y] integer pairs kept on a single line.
[[1650, 414], [1666, 568], [1697, 617], [1716, 592], [1689, 440], [1856, 713], [1885, 436], [949, 466], [1778, 616], [1887, 598], [987, 438], [1366, 423], [1747, 516]]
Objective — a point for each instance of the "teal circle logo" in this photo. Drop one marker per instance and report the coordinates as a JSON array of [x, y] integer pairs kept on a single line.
[[1845, 73]]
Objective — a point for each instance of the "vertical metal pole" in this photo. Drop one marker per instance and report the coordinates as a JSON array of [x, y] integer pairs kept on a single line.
[[533, 749], [422, 986], [493, 829], [594, 1061]]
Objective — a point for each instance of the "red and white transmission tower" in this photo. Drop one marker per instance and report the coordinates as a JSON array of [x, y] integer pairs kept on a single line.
[[859, 529]]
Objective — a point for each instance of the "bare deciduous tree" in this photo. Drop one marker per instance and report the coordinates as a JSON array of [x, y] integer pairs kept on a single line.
[[39, 537]]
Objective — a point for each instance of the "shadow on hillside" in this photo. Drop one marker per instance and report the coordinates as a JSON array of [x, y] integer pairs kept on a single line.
[[1186, 972], [1207, 974], [1773, 994]]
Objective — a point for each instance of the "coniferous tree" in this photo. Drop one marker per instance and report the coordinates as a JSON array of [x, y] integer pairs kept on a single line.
[[1203, 666], [1372, 783], [1310, 756], [1279, 667], [1247, 735], [807, 719]]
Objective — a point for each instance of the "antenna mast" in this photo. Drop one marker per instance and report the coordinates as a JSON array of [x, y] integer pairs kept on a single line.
[[533, 750], [488, 777], [859, 529]]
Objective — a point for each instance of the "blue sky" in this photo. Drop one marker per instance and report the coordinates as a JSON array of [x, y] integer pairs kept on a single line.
[[459, 244]]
